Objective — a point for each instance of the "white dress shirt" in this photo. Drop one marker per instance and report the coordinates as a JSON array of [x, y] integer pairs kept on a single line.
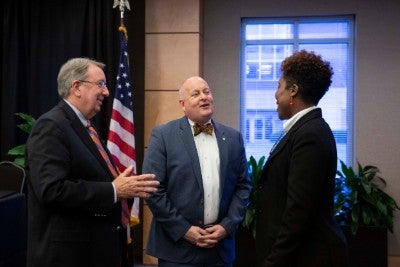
[[290, 122], [208, 153]]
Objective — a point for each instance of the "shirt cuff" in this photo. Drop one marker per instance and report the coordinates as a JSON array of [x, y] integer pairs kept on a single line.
[[115, 193]]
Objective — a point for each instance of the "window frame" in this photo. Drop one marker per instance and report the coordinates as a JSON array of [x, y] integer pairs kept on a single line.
[[350, 104]]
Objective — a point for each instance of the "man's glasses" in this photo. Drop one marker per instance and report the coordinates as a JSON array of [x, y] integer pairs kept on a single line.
[[100, 84]]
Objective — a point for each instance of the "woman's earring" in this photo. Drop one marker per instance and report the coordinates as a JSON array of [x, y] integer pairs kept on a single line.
[[291, 102]]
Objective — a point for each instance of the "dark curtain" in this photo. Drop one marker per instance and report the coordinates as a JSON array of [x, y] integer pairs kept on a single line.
[[39, 36]]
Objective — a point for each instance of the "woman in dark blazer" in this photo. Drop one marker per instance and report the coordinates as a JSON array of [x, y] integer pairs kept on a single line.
[[295, 222]]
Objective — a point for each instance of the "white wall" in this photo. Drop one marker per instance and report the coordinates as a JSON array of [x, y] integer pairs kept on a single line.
[[377, 88]]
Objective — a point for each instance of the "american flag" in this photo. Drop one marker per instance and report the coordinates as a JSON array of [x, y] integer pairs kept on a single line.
[[121, 135]]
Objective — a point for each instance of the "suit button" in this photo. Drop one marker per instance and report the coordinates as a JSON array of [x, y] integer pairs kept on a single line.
[[202, 201], [260, 187], [118, 228]]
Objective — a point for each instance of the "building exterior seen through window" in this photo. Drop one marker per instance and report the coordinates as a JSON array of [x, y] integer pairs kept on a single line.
[[265, 44]]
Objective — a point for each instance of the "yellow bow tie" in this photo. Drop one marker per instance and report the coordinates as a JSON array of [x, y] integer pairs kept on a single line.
[[207, 128]]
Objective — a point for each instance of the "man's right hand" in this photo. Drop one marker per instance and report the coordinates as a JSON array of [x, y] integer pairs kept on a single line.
[[128, 186]]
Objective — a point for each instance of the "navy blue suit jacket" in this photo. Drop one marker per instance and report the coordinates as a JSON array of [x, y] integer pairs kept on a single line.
[[178, 203]]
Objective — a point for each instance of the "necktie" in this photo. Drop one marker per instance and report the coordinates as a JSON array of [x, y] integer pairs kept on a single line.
[[207, 128], [124, 204]]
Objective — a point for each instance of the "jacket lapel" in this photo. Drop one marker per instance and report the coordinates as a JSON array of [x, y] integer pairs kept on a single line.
[[223, 152], [83, 134], [188, 141], [316, 113]]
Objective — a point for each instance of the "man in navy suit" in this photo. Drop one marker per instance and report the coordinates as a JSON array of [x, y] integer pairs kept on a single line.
[[74, 211], [204, 184]]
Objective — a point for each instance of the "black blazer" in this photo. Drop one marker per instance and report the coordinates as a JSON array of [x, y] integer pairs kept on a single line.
[[295, 224], [72, 218]]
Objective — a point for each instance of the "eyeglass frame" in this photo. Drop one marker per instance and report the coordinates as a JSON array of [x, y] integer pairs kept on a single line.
[[100, 84]]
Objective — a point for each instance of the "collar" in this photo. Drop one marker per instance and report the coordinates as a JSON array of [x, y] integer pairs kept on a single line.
[[78, 113], [192, 123], [290, 122]]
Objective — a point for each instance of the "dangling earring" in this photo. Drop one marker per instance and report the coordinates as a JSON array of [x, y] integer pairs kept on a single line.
[[291, 102]]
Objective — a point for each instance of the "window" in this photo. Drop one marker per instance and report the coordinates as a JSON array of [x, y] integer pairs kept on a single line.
[[265, 43]]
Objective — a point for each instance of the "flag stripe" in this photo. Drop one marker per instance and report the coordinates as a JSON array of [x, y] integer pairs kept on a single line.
[[125, 136], [117, 163], [123, 158], [124, 118], [115, 139]]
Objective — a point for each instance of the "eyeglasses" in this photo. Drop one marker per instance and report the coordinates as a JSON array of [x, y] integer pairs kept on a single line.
[[100, 84]]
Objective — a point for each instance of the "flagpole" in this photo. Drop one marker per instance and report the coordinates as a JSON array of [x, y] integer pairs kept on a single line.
[[122, 5], [125, 109]]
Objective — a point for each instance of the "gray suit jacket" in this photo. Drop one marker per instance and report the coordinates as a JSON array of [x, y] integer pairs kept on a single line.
[[178, 203]]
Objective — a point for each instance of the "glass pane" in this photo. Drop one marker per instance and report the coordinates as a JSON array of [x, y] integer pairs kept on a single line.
[[258, 129], [263, 126], [269, 31], [263, 61], [321, 30], [247, 134]]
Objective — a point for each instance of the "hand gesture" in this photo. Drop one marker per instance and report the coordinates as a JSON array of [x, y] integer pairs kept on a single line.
[[128, 186]]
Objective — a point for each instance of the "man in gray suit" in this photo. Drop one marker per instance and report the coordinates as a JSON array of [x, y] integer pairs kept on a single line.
[[204, 184]]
